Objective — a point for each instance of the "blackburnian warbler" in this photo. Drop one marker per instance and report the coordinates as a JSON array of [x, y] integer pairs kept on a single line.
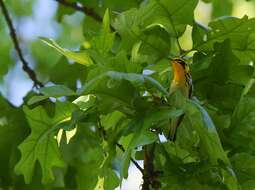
[[182, 81]]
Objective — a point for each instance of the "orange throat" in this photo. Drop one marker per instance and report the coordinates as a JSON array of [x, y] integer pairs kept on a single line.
[[179, 72]]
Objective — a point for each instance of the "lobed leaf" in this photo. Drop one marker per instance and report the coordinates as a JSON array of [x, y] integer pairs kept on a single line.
[[240, 31], [40, 144]]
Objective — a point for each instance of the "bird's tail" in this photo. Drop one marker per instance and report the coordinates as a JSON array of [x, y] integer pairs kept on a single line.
[[173, 128]]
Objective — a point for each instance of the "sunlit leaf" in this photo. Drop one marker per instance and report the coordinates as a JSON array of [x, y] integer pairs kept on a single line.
[[41, 144], [80, 57]]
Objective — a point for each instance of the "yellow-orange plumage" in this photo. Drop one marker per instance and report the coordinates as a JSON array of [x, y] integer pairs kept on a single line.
[[181, 81]]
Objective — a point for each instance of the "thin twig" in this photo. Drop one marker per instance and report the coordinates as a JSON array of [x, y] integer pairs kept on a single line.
[[132, 160], [103, 134], [88, 11], [13, 35]]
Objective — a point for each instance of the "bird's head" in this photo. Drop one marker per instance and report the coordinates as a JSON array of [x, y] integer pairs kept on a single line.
[[179, 64], [180, 68]]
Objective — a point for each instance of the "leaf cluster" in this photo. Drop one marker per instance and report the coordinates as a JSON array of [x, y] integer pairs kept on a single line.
[[107, 103]]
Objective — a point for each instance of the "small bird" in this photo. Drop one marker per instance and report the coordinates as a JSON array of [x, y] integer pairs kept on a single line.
[[182, 81]]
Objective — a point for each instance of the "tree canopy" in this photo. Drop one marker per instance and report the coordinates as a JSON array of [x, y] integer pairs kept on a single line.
[[98, 76]]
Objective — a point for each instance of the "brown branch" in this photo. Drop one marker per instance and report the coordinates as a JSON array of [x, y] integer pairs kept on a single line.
[[88, 11], [150, 175], [13, 35]]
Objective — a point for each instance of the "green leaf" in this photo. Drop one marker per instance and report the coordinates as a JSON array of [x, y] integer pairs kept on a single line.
[[210, 147], [227, 27], [142, 139], [210, 80], [40, 144], [111, 120], [125, 161], [108, 90], [231, 70], [111, 180], [81, 57], [123, 50], [87, 176], [244, 165], [142, 136], [74, 72], [104, 42], [137, 80], [154, 116], [166, 14], [249, 185], [126, 25], [241, 33], [85, 102], [221, 8], [85, 153], [13, 130], [156, 44], [56, 91], [36, 99], [242, 128], [169, 14], [210, 141], [181, 153], [199, 34]]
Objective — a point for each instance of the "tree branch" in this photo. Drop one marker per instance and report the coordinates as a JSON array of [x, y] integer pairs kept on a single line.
[[88, 11], [13, 35], [103, 134], [132, 160], [150, 175]]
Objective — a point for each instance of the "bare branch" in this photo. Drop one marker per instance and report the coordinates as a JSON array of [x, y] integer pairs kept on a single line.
[[13, 35]]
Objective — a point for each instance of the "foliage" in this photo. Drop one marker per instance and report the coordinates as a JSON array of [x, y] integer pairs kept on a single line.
[[106, 100]]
